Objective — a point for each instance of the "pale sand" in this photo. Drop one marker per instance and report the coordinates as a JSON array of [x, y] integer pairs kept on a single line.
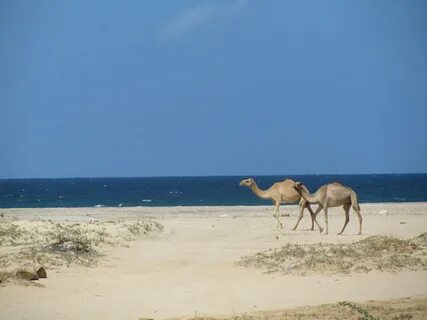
[[190, 266]]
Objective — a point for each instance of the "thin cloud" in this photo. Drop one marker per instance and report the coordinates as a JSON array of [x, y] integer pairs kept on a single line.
[[193, 18]]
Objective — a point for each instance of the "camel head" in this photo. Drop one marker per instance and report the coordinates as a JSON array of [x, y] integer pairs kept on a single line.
[[297, 186], [247, 182]]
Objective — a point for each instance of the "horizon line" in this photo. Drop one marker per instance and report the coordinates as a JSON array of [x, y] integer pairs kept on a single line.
[[211, 176]]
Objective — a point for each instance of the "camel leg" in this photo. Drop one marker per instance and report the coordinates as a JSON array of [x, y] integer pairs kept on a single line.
[[347, 217], [359, 216], [276, 216], [313, 218], [302, 205], [307, 205], [319, 208], [356, 207], [325, 209]]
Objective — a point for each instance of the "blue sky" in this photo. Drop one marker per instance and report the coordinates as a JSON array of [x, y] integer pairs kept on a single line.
[[160, 88]]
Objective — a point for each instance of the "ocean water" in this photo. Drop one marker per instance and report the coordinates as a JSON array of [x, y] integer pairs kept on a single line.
[[193, 191]]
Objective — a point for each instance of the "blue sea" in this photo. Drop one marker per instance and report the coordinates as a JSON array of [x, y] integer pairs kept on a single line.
[[193, 191]]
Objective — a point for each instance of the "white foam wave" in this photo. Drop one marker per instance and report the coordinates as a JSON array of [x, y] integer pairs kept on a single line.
[[175, 192]]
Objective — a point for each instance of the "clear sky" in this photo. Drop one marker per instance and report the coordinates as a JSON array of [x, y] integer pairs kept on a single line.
[[160, 88]]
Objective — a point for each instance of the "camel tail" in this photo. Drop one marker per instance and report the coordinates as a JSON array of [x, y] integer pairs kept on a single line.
[[354, 201]]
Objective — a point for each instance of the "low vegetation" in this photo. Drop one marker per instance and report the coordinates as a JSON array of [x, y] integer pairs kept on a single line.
[[53, 244], [397, 309], [383, 253], [9, 234]]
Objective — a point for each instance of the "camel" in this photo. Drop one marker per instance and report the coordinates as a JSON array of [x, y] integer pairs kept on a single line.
[[282, 192], [329, 196]]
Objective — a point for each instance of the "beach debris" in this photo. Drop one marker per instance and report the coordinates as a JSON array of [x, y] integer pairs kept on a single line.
[[224, 215], [41, 273], [383, 212], [26, 275], [402, 222], [30, 272], [27, 272]]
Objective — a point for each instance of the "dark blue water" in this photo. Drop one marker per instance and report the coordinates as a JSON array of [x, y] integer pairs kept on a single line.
[[193, 191]]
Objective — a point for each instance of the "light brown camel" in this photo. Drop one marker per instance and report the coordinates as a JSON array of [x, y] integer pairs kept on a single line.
[[332, 195], [282, 192]]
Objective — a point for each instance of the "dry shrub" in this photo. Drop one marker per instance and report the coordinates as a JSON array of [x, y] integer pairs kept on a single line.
[[58, 244], [384, 253], [396, 309], [9, 234]]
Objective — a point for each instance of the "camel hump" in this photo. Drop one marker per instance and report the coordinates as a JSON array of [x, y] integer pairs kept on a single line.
[[340, 185], [288, 180]]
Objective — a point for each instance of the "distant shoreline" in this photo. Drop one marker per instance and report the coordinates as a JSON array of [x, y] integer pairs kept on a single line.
[[202, 206], [288, 209]]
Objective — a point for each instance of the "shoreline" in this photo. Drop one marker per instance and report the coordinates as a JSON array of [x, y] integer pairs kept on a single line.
[[204, 206], [288, 212]]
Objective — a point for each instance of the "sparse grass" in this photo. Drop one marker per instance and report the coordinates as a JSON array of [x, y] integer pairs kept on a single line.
[[382, 253], [143, 227], [56, 244], [397, 309], [70, 239], [403, 316], [9, 233], [68, 244], [364, 313], [5, 277]]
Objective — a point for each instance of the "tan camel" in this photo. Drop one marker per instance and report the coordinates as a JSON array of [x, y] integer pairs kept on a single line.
[[282, 192], [332, 195]]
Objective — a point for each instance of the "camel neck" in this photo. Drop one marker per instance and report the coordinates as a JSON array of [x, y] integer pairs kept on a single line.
[[307, 196], [260, 193]]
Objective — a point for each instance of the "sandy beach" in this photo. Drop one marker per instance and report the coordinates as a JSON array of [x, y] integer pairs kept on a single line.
[[189, 267]]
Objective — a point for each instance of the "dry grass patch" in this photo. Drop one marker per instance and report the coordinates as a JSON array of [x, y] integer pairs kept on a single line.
[[414, 308], [5, 277], [59, 243], [384, 253], [9, 234]]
